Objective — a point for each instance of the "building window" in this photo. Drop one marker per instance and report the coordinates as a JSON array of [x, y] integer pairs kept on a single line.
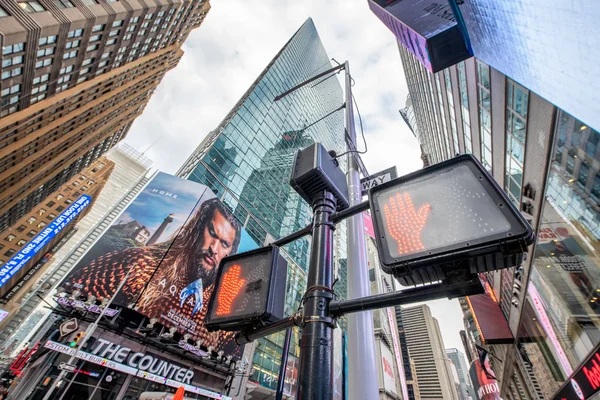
[[51, 216], [450, 100], [47, 40], [21, 242], [50, 203], [63, 4], [517, 100], [92, 47], [114, 32], [31, 233], [31, 220], [10, 237], [44, 63], [485, 113], [39, 89], [9, 62], [31, 6], [83, 72], [41, 224], [42, 78], [68, 201], [66, 70], [9, 253], [13, 48], [72, 45], [21, 228], [64, 79], [42, 211], [11, 90], [117, 23], [70, 54], [90, 2], [106, 55], [98, 28], [111, 42], [87, 61], [76, 33], [3, 13], [45, 52]]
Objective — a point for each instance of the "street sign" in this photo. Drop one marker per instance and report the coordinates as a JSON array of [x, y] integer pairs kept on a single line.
[[446, 218], [68, 327], [249, 290], [66, 367], [377, 179]]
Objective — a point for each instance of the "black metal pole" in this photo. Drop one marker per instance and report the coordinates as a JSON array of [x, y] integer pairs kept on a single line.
[[430, 292], [316, 344], [249, 336], [282, 367]]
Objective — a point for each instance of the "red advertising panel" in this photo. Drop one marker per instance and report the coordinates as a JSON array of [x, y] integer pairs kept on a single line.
[[173, 236], [585, 382], [488, 316]]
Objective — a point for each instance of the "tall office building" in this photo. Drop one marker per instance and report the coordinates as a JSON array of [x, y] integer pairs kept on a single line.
[[426, 349], [128, 177], [548, 162], [74, 77], [392, 360], [465, 389], [247, 161]]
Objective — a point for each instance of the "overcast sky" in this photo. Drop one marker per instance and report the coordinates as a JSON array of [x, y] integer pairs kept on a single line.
[[234, 44]]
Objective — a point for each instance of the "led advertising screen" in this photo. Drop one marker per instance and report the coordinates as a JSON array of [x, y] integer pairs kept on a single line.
[[173, 235], [23, 256]]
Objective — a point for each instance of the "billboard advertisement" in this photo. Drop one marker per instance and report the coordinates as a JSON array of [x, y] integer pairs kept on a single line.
[[483, 378], [389, 376], [170, 239]]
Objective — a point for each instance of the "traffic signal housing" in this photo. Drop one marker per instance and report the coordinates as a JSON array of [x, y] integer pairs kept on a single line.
[[76, 339], [446, 218], [249, 290]]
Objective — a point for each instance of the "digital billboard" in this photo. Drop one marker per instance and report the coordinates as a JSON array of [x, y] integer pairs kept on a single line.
[[23, 256], [173, 236]]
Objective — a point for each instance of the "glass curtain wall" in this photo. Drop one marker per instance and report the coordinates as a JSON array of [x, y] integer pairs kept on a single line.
[[561, 323]]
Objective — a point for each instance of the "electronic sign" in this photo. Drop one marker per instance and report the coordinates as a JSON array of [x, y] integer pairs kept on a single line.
[[450, 216], [249, 290]]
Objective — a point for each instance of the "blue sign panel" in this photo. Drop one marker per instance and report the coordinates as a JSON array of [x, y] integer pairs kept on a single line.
[[17, 262]]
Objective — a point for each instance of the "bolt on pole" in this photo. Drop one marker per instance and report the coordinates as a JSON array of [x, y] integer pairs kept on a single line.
[[363, 382]]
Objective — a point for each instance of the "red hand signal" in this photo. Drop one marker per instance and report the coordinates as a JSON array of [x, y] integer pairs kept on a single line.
[[230, 288], [404, 223]]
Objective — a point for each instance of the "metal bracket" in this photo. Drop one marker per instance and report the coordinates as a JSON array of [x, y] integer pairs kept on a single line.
[[317, 318]]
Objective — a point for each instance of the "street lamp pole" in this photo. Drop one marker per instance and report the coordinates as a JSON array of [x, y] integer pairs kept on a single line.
[[362, 373]]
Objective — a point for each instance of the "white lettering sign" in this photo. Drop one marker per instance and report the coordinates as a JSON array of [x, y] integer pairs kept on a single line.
[[111, 348]]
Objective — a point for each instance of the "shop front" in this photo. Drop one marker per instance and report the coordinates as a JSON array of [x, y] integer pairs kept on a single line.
[[116, 368]]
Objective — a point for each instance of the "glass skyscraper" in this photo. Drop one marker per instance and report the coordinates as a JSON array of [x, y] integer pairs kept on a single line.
[[247, 162]]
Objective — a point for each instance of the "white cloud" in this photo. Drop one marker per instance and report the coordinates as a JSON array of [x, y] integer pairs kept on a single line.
[[234, 44]]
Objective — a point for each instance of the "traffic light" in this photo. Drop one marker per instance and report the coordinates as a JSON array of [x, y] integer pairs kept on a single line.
[[76, 339], [249, 290], [451, 216]]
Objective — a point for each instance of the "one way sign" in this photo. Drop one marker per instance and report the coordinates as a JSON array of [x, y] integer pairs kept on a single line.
[[377, 179]]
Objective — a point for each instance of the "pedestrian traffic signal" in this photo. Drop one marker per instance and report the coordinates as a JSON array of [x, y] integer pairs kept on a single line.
[[449, 217], [249, 290], [76, 339]]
